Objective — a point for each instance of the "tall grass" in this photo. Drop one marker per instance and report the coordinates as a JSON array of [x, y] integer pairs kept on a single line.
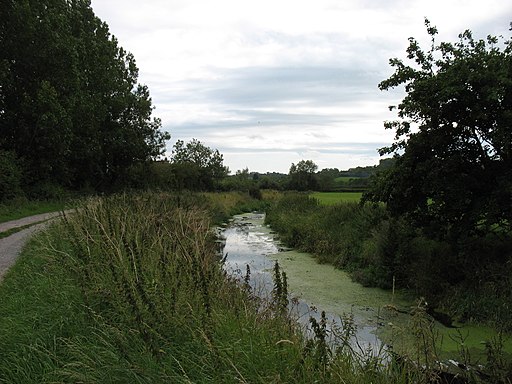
[[378, 249], [382, 251], [337, 234], [130, 289]]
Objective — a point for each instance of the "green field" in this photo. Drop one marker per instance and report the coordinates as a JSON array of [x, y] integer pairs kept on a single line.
[[332, 198]]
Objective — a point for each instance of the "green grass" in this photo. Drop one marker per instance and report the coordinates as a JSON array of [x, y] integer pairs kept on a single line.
[[332, 198], [364, 241], [19, 208], [130, 289], [39, 304], [12, 231]]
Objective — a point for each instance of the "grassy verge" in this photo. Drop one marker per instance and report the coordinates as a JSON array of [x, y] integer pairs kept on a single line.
[[12, 231], [131, 289], [19, 208]]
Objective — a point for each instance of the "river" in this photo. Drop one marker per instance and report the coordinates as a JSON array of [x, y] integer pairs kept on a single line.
[[315, 287], [320, 287]]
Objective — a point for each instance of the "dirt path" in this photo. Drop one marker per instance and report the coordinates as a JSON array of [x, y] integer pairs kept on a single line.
[[11, 246], [27, 221]]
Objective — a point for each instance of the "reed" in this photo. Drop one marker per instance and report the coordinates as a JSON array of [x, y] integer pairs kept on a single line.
[[130, 288]]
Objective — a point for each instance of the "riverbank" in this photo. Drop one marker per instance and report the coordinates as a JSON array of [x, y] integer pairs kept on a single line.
[[379, 251], [93, 300], [130, 289], [381, 317]]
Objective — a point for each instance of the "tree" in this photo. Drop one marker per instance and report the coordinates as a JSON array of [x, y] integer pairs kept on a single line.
[[70, 104], [453, 138], [197, 166], [327, 178], [302, 176], [10, 176]]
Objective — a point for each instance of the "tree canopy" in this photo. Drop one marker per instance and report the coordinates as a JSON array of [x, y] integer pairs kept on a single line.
[[196, 166], [453, 138], [302, 176], [70, 104]]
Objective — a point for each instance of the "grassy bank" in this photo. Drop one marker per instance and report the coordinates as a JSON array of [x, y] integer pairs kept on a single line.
[[131, 289], [378, 250], [18, 208]]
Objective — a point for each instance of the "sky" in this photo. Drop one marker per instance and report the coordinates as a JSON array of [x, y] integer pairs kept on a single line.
[[270, 83]]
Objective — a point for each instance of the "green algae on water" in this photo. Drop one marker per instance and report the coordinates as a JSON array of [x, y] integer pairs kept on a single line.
[[328, 288]]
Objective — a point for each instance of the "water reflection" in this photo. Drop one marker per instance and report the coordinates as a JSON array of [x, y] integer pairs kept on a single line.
[[247, 241]]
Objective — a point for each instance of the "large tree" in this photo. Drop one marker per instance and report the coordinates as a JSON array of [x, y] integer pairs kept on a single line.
[[196, 166], [302, 176], [453, 142], [70, 104]]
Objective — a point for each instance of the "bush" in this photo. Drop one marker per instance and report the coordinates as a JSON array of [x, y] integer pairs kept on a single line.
[[10, 176], [47, 191], [377, 249], [255, 193]]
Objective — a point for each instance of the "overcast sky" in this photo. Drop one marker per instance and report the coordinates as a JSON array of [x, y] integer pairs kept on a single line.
[[269, 83]]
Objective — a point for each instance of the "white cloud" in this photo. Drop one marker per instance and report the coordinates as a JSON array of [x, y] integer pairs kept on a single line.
[[268, 82]]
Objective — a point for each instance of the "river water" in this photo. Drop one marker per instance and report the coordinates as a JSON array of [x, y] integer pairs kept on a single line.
[[315, 287], [320, 287]]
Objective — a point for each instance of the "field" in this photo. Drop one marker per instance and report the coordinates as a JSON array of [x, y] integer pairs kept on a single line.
[[332, 198]]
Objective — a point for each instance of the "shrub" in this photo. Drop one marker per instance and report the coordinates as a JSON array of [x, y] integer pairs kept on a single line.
[[10, 176]]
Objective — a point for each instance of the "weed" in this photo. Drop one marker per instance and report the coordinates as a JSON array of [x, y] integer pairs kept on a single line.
[[131, 288]]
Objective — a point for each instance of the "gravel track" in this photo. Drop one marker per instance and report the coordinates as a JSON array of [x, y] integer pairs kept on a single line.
[[11, 246]]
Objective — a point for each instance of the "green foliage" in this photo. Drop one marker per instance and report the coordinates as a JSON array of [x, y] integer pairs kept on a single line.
[[327, 179], [130, 289], [222, 206], [10, 176], [354, 179], [453, 140], [470, 281], [451, 180], [197, 167], [302, 176], [70, 104], [243, 180], [336, 233]]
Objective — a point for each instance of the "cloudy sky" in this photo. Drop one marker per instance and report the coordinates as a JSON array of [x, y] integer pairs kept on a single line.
[[269, 83]]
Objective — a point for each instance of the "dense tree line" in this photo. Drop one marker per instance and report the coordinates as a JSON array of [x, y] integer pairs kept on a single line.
[[304, 176], [192, 166], [196, 166], [71, 110]]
